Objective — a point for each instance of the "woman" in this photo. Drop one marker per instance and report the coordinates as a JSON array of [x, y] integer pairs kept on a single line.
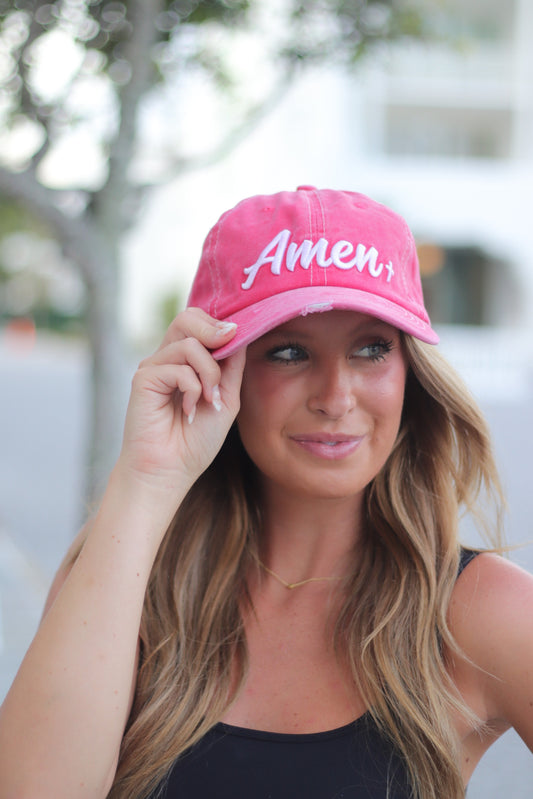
[[268, 602]]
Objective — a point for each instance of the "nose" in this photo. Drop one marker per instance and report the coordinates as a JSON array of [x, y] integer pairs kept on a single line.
[[333, 390]]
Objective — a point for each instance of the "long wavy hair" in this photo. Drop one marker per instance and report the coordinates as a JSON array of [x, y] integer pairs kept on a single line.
[[193, 654]]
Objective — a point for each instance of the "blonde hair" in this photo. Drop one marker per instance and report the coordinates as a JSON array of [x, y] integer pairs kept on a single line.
[[193, 648]]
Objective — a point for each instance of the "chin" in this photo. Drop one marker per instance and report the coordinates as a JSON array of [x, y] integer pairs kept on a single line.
[[330, 488]]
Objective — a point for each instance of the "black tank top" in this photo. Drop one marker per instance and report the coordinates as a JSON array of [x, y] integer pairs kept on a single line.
[[352, 762]]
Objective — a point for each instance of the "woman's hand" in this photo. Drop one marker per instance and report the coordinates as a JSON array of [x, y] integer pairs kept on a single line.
[[182, 402]]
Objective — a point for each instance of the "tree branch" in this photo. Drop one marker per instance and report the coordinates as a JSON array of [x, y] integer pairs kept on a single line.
[[142, 14], [75, 233]]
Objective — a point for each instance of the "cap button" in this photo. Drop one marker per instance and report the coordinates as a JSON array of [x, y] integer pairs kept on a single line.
[[306, 188]]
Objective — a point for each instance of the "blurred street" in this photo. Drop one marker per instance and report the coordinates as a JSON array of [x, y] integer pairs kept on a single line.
[[43, 414]]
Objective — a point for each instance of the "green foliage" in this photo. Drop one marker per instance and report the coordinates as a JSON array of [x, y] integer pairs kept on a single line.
[[227, 12], [29, 283], [15, 217], [344, 30], [315, 29], [169, 306], [105, 26]]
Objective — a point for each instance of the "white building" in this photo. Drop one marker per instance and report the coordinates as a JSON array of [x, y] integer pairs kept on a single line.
[[451, 129]]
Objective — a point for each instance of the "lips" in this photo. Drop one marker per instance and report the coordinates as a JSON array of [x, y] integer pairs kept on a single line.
[[330, 446]]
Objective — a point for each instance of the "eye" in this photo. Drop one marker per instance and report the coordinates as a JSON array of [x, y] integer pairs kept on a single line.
[[375, 351], [287, 353]]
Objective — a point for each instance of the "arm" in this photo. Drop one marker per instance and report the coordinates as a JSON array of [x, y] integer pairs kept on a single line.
[[62, 723], [491, 616], [65, 567]]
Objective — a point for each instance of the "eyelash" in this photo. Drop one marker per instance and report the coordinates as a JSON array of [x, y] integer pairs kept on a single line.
[[272, 354], [385, 346]]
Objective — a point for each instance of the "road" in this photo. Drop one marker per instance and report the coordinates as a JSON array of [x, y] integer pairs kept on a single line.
[[43, 414]]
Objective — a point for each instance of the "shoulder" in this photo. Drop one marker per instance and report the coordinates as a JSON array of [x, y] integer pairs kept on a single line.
[[493, 593], [491, 619]]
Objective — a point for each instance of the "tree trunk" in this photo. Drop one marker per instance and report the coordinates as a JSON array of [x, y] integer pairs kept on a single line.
[[109, 377]]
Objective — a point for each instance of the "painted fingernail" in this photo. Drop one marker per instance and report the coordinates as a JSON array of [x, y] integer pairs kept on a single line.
[[217, 402], [190, 417], [225, 327]]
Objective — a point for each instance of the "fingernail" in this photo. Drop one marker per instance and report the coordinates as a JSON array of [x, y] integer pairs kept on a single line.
[[217, 402], [190, 417], [225, 327]]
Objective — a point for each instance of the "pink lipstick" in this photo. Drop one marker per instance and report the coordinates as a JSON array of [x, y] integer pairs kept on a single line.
[[330, 446]]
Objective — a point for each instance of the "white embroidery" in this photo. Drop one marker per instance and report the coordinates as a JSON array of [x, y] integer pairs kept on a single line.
[[279, 249], [316, 307]]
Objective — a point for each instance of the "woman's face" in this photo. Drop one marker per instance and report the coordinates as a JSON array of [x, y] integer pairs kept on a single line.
[[321, 402]]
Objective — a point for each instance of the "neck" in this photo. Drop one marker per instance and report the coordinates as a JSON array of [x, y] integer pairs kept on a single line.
[[306, 538]]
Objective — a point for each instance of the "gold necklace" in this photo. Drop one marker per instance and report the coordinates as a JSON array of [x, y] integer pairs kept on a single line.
[[290, 586]]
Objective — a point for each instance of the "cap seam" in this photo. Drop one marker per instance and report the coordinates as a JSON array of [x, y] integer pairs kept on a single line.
[[323, 229], [311, 228]]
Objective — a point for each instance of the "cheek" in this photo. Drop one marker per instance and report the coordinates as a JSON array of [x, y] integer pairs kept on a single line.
[[255, 394], [256, 409], [257, 434], [269, 402], [392, 400], [388, 398], [265, 395]]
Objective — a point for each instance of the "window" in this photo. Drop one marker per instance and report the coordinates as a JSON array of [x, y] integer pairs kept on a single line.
[[448, 132], [466, 286]]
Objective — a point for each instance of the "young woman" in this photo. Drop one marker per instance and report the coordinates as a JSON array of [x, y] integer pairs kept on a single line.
[[272, 600]]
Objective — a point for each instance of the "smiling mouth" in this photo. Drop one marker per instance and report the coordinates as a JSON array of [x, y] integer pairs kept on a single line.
[[323, 446], [325, 443], [325, 438]]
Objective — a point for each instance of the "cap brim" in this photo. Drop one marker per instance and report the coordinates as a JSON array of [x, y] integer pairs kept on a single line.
[[256, 320]]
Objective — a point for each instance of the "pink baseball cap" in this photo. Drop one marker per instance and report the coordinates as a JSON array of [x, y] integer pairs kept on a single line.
[[275, 257]]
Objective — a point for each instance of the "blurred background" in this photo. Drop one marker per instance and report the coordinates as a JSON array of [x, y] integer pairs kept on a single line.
[[126, 128]]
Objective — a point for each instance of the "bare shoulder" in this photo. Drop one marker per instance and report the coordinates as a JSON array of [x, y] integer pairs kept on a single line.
[[491, 618], [491, 598]]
